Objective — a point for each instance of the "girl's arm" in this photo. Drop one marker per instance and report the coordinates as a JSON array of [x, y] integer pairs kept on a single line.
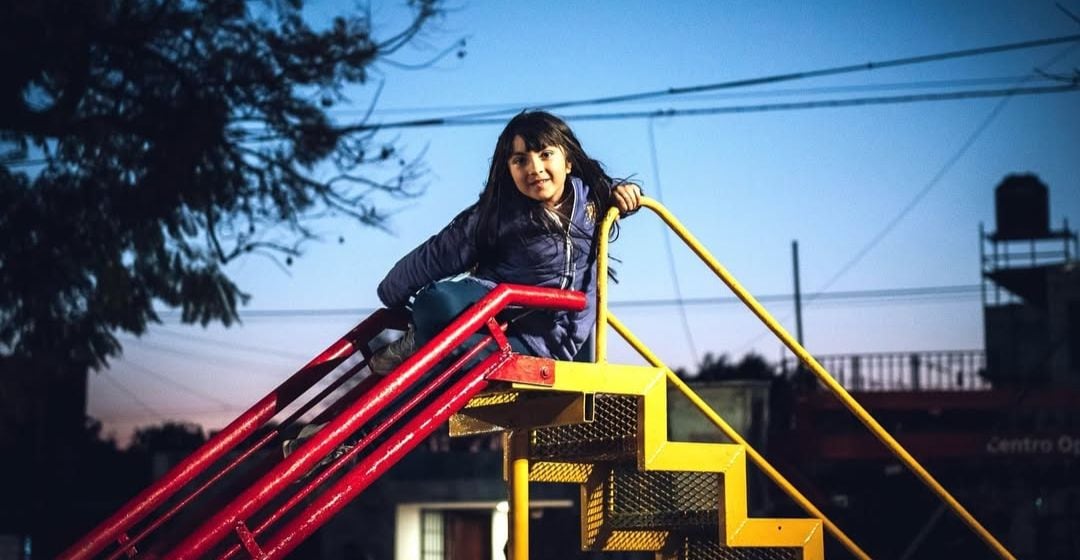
[[449, 252]]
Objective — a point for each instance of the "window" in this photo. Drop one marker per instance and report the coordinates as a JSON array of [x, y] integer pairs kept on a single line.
[[432, 539]]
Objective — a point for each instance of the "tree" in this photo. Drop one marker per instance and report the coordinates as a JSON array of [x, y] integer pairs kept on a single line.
[[144, 144], [719, 368], [168, 436]]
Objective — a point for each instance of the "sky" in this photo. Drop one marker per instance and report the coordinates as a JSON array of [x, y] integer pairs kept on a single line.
[[878, 196]]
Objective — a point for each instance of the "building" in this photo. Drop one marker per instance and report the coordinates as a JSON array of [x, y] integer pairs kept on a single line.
[[999, 429]]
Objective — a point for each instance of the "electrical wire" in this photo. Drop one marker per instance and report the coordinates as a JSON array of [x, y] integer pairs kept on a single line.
[[777, 78], [120, 386], [922, 291], [511, 106], [731, 109], [919, 196], [477, 118], [165, 330], [176, 384], [215, 361], [933, 182], [955, 292], [484, 118], [688, 333], [172, 412], [254, 136], [290, 313]]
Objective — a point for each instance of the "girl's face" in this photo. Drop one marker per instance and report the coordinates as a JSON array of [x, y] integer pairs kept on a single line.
[[539, 175]]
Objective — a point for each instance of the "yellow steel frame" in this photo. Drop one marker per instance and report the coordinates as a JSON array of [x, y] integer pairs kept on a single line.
[[518, 444], [604, 318], [655, 453]]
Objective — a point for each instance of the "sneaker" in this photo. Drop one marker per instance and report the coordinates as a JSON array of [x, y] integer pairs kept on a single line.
[[290, 445], [390, 356]]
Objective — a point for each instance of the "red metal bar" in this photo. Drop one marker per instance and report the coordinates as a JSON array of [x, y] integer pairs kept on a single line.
[[348, 398], [136, 509], [337, 430], [248, 541], [359, 389], [381, 459], [399, 412], [128, 547], [323, 394]]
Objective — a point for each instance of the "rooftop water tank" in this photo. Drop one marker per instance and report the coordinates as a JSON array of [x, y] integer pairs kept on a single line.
[[1022, 208]]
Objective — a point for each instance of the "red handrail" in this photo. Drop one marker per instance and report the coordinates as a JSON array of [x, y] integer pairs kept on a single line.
[[305, 458], [392, 418], [138, 508], [115, 528], [381, 459]]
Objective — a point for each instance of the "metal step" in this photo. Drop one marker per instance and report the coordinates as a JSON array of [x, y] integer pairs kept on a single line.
[[626, 509], [639, 491], [612, 435], [663, 500], [700, 547]]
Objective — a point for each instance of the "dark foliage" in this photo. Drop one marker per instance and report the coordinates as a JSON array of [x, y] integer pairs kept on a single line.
[[718, 368], [168, 437], [144, 144]]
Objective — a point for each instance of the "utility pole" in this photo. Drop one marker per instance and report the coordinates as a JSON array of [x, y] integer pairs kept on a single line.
[[798, 292], [801, 375]]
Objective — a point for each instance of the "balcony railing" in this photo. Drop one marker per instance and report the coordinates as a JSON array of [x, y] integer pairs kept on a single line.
[[948, 370]]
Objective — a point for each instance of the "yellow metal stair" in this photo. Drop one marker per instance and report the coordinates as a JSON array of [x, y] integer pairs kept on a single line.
[[604, 427]]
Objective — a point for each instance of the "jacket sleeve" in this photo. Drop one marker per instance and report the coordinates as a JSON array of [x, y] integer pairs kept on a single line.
[[449, 252]]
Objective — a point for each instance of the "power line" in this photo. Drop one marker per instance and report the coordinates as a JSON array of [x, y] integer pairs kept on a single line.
[[688, 333], [165, 379], [292, 313], [484, 118], [936, 292], [903, 213], [860, 297], [214, 361], [776, 78], [172, 412], [876, 239], [477, 118], [115, 383], [944, 291], [884, 86], [231, 345], [933, 182], [758, 108], [1072, 86]]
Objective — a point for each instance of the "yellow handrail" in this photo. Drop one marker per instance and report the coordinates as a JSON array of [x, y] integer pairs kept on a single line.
[[603, 318], [734, 436]]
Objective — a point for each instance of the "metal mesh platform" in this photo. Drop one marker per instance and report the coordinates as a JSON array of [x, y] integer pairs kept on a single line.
[[698, 548], [662, 499], [612, 435], [675, 513]]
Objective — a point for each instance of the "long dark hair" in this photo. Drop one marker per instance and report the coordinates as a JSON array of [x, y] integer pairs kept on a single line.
[[538, 129]]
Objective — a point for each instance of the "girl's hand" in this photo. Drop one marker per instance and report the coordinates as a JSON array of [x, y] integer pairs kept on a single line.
[[627, 198]]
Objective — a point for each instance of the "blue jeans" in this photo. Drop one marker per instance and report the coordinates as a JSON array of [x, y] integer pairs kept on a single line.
[[437, 305]]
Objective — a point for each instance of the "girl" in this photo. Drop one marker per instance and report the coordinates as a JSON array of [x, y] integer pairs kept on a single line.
[[536, 223]]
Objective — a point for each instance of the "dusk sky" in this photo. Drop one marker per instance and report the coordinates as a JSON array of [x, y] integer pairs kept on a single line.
[[881, 197]]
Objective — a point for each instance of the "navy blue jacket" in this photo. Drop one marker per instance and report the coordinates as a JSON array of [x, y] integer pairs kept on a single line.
[[527, 253]]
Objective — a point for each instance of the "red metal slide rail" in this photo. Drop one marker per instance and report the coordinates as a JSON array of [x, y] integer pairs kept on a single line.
[[378, 393]]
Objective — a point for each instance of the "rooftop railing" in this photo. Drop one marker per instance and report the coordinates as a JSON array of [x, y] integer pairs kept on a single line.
[[945, 370]]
